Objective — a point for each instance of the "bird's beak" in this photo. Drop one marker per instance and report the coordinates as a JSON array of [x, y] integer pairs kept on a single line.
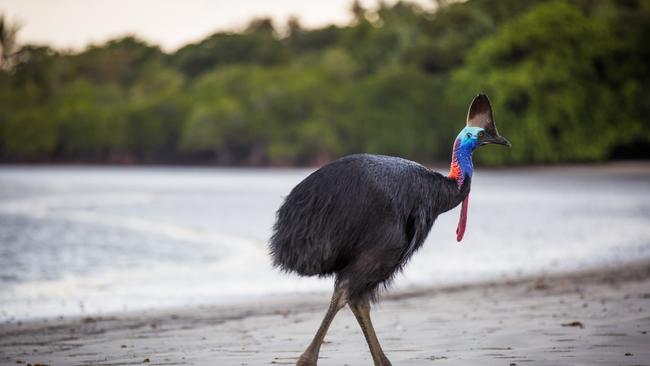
[[498, 139]]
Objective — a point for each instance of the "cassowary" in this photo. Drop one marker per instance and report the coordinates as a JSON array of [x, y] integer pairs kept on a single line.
[[361, 218]]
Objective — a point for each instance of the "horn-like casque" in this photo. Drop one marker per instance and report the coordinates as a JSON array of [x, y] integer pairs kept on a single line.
[[480, 115]]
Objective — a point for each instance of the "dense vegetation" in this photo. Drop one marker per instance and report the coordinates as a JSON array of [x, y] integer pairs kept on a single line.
[[569, 81]]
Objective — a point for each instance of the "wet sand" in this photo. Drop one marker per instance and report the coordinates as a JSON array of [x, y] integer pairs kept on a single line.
[[595, 317]]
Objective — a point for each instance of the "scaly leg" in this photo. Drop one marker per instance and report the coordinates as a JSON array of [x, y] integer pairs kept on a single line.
[[310, 356], [361, 310]]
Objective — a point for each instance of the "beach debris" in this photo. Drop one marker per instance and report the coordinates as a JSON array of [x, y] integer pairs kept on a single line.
[[123, 346], [628, 354], [146, 360], [433, 358], [574, 324], [540, 284]]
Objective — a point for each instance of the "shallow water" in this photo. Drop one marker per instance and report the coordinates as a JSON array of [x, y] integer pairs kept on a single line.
[[92, 240]]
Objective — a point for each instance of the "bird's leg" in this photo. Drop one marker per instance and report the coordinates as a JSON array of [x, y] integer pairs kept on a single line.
[[361, 310], [310, 356]]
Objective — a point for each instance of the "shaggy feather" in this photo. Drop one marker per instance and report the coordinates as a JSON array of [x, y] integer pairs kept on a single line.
[[361, 218]]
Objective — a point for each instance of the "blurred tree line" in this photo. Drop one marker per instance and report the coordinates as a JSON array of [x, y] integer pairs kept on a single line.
[[569, 81]]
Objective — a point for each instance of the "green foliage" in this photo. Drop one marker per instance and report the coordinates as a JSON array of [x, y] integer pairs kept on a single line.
[[553, 83], [120, 61], [88, 121], [568, 80], [257, 45], [155, 113]]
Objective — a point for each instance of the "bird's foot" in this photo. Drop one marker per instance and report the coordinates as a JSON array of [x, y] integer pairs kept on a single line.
[[307, 360]]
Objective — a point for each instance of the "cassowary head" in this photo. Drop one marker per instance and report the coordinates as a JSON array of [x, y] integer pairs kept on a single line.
[[480, 129]]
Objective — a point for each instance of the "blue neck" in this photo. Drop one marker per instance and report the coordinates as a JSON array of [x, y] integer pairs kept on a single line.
[[461, 162], [464, 157]]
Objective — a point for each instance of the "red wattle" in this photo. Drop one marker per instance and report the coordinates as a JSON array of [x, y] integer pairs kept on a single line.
[[462, 222]]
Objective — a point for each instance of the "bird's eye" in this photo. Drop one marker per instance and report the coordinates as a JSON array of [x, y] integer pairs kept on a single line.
[[480, 134], [469, 135]]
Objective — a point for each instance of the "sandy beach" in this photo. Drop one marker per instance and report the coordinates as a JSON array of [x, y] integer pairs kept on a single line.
[[595, 317]]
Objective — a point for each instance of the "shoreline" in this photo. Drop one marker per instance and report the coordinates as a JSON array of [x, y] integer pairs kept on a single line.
[[596, 316]]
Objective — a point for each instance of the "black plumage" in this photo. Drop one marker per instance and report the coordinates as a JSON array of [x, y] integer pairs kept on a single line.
[[360, 218]]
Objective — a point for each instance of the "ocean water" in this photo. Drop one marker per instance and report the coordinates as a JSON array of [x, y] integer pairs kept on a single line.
[[79, 240]]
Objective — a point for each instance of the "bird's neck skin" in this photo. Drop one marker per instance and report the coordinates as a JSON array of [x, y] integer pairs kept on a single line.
[[461, 162]]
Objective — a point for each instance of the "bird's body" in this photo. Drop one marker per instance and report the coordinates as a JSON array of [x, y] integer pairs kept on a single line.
[[361, 218]]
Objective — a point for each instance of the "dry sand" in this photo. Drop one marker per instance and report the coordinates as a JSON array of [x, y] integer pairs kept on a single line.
[[597, 317]]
